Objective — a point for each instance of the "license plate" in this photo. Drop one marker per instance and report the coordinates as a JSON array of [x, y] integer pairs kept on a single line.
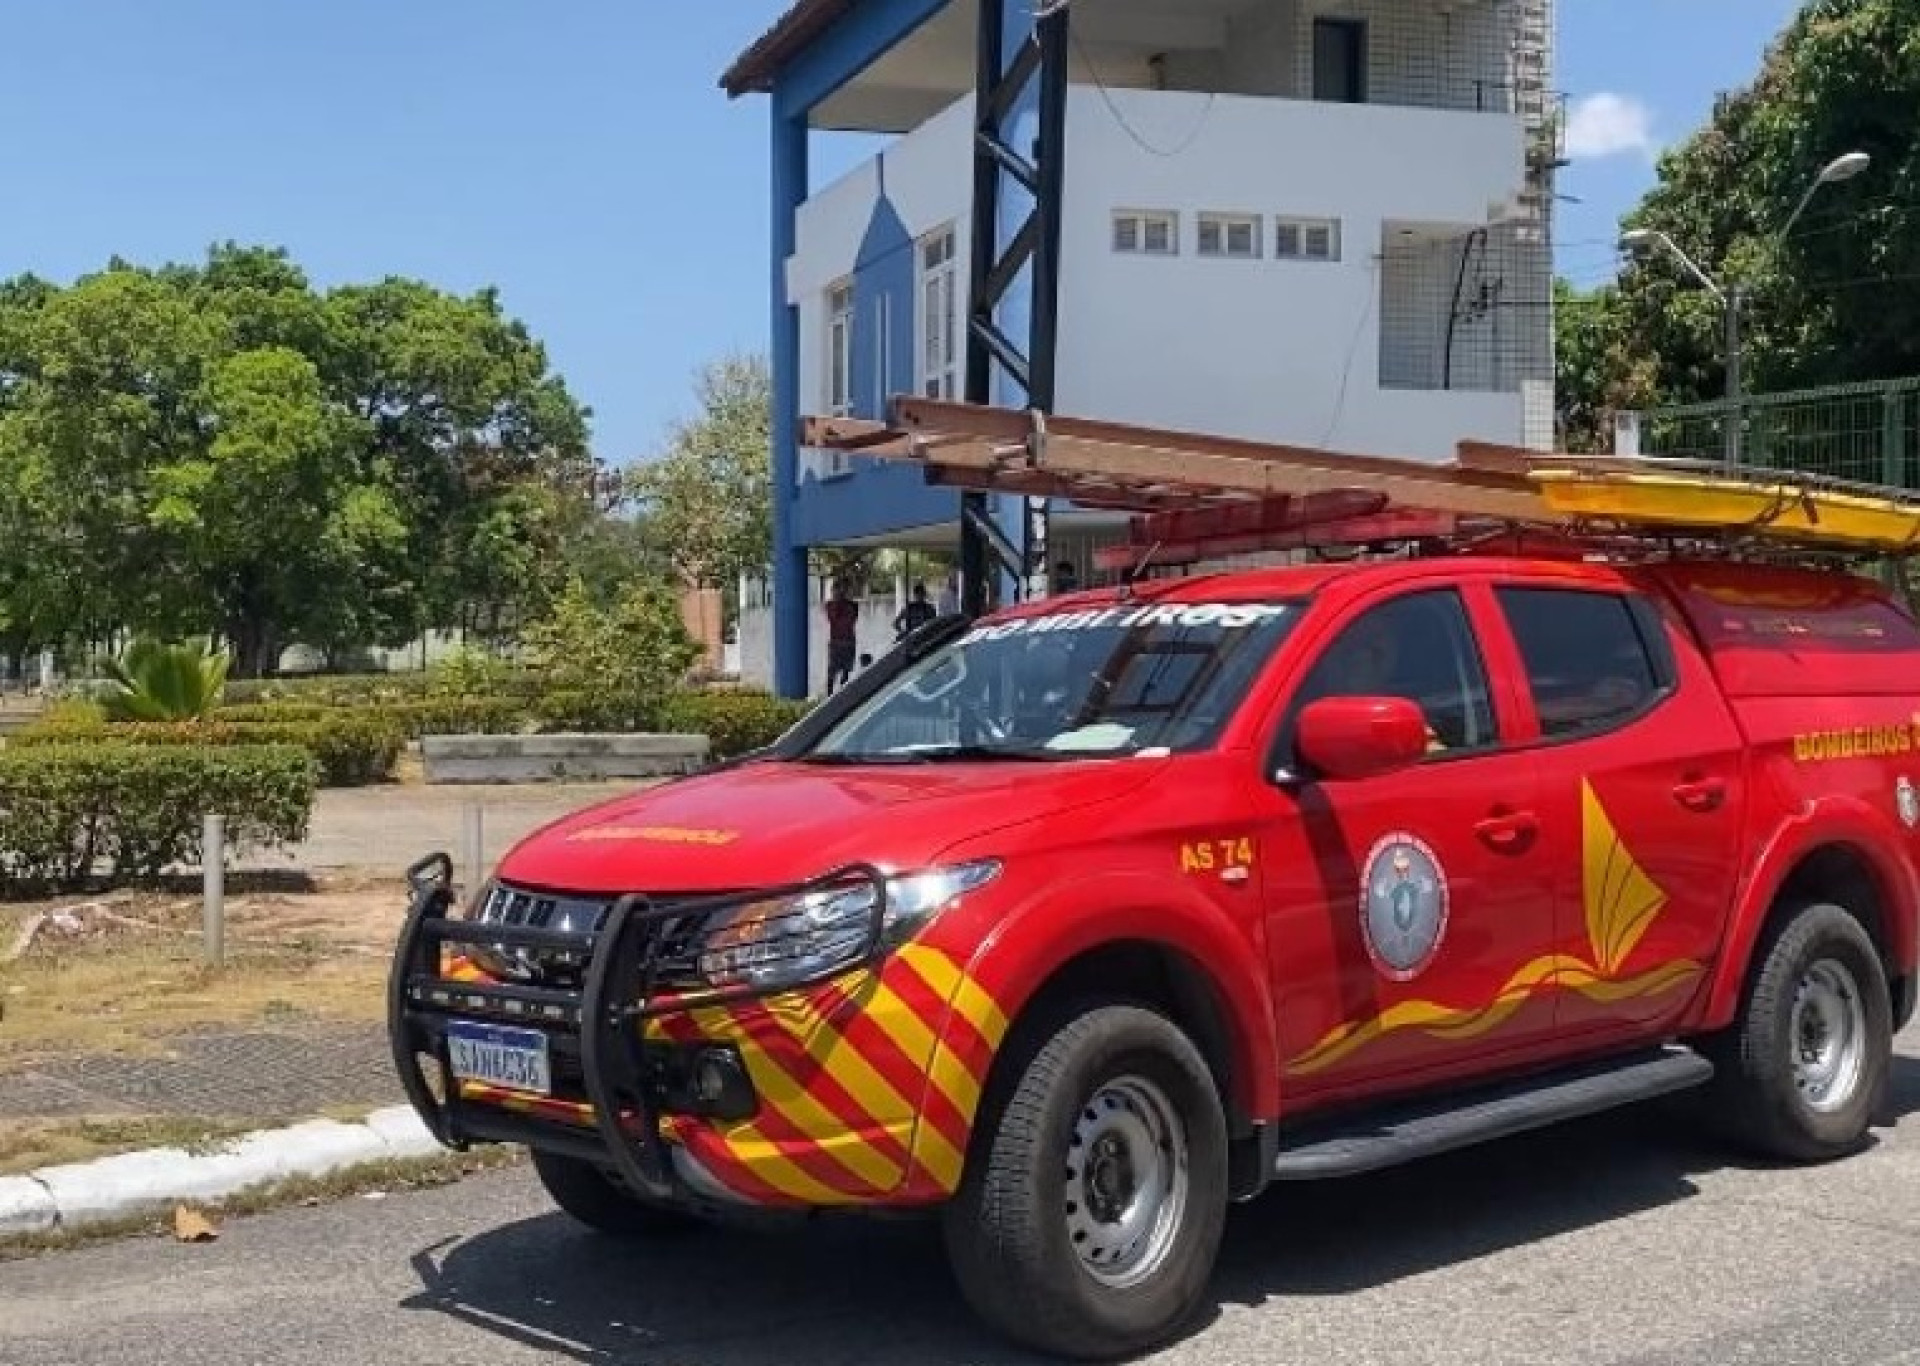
[[495, 1055]]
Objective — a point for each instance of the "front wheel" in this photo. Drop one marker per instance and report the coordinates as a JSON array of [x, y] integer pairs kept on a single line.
[[1089, 1219], [1803, 1070], [595, 1198]]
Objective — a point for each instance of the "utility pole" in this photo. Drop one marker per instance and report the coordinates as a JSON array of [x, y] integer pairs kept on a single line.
[[1733, 298], [1736, 406]]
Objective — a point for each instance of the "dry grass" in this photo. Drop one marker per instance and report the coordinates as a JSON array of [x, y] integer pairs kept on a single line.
[[124, 988]]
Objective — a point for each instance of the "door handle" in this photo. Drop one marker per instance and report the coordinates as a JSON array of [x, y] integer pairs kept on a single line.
[[1507, 830], [1701, 794]]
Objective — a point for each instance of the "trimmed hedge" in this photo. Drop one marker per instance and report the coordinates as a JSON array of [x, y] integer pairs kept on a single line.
[[351, 749], [71, 813], [351, 690], [735, 721], [429, 716]]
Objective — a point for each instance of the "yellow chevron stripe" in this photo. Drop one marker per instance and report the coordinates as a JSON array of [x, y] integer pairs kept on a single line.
[[756, 1152], [846, 1064], [966, 995], [916, 1039], [815, 1121]]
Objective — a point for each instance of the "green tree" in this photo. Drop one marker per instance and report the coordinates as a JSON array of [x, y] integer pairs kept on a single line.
[[1599, 373], [610, 670], [707, 501], [1835, 299], [221, 449]]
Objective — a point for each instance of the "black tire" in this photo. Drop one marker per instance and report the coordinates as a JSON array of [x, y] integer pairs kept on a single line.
[[1758, 1095], [1034, 1178], [597, 1199]]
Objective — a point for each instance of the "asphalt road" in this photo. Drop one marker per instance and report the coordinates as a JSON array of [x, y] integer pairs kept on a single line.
[[1616, 1241]]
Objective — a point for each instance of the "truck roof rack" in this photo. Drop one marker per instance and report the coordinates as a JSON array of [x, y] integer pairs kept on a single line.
[[1194, 494]]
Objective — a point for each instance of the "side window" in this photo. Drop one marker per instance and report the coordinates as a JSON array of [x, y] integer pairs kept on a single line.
[[1589, 659], [1419, 647]]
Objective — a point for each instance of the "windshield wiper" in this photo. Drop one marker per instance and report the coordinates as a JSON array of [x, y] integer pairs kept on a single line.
[[852, 760], [1021, 754]]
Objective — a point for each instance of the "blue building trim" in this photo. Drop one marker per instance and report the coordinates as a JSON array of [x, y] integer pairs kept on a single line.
[[867, 33], [790, 580], [873, 501]]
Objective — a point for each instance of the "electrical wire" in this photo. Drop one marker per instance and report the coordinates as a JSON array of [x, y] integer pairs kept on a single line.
[[1120, 118], [1353, 351]]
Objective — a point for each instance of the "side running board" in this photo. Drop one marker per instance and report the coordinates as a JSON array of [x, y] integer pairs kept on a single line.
[[1379, 1138]]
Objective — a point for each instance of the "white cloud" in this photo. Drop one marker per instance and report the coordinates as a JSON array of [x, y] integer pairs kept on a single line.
[[1607, 125]]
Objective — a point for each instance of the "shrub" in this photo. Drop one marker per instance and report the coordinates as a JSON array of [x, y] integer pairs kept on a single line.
[[155, 681], [736, 721], [428, 716], [126, 812], [351, 749], [468, 672], [331, 690], [609, 670]]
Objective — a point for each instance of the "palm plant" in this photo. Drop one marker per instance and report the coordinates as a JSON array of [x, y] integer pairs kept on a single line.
[[160, 681]]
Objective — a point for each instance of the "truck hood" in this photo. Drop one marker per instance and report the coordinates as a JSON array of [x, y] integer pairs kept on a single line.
[[779, 824]]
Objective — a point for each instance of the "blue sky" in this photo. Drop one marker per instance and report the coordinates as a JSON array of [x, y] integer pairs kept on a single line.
[[578, 155]]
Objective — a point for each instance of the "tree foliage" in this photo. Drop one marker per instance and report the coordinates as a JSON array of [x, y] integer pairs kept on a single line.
[[707, 499], [1835, 300], [610, 670], [223, 449]]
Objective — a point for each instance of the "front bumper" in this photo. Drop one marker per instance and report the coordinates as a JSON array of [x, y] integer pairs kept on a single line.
[[854, 1088]]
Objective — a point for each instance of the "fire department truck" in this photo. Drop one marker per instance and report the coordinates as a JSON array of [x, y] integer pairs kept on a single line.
[[1537, 786]]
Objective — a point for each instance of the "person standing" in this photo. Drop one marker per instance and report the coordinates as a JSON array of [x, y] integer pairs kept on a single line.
[[843, 620], [919, 612]]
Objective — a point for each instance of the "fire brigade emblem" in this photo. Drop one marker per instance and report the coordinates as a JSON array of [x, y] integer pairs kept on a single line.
[[1908, 801], [1403, 906]]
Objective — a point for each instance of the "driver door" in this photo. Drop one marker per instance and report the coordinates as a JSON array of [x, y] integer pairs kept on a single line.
[[1407, 913]]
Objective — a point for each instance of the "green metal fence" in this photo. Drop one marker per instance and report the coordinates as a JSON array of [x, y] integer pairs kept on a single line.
[[1868, 433]]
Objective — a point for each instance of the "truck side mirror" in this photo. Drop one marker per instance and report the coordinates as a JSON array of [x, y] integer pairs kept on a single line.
[[1347, 738]]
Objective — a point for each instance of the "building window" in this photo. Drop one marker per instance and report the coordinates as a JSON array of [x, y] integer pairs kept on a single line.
[[1146, 233], [1307, 239], [940, 316], [840, 349], [1230, 234], [833, 462], [1340, 60]]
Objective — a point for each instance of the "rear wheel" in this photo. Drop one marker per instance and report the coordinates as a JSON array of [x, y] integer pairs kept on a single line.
[[1091, 1213], [597, 1199], [1803, 1070]]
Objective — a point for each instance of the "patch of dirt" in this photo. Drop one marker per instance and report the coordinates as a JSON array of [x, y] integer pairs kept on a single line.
[[119, 974]]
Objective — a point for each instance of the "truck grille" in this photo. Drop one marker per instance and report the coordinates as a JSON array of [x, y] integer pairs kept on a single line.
[[515, 906]]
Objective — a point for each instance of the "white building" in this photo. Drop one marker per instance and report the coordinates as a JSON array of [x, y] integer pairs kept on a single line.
[[1323, 222]]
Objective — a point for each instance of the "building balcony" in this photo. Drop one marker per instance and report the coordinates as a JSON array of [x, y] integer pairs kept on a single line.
[[1484, 56]]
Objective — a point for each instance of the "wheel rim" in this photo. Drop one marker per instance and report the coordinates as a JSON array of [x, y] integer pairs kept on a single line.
[[1829, 1036], [1127, 1175]]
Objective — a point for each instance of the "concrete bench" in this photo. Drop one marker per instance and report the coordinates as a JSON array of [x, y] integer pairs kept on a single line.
[[558, 758]]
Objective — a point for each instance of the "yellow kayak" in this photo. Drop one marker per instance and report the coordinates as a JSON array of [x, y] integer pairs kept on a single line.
[[1807, 514]]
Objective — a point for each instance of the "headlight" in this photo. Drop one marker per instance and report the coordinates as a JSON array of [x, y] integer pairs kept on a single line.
[[770, 944]]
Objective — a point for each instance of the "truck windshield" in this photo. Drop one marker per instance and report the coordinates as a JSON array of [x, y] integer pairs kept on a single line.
[[1095, 682]]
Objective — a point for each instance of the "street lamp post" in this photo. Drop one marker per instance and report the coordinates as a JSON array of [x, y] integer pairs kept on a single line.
[[1733, 298]]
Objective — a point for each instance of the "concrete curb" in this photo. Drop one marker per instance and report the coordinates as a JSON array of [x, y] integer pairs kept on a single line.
[[138, 1183]]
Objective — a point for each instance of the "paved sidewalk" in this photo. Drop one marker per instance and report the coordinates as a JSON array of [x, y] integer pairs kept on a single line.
[[385, 829], [250, 1075]]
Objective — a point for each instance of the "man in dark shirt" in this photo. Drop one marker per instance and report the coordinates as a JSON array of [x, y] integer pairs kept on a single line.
[[843, 616], [919, 612]]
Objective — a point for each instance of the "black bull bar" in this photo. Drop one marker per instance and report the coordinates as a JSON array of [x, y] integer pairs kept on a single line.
[[600, 1025]]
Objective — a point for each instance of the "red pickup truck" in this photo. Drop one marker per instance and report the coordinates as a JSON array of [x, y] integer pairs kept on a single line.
[[1074, 924]]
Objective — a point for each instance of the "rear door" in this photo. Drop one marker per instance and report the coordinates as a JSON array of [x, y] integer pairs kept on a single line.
[[1640, 761]]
